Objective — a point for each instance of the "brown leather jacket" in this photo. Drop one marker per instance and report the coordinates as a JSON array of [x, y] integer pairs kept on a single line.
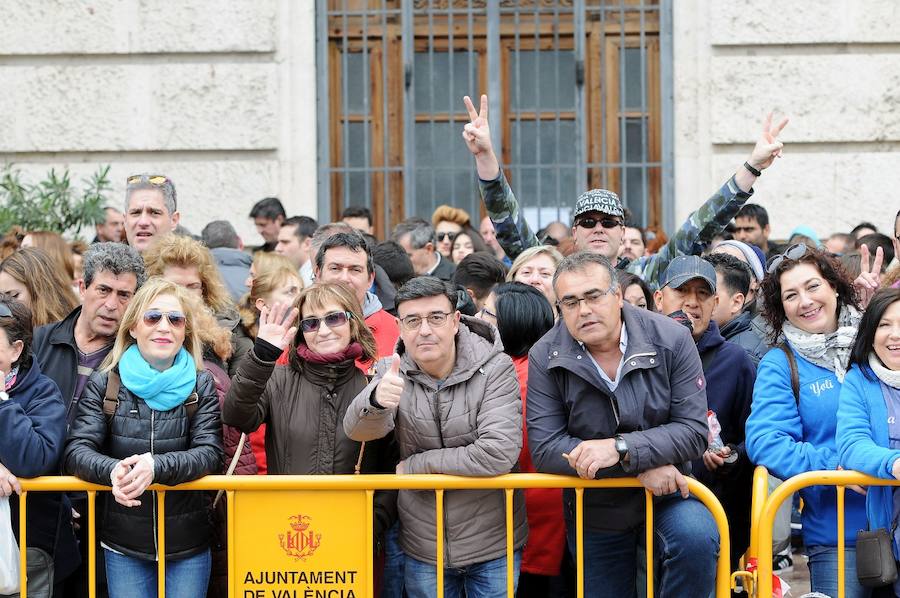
[[303, 411]]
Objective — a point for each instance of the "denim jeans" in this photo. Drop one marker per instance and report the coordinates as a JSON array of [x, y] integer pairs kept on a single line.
[[823, 572], [128, 577], [392, 584], [686, 547], [481, 580]]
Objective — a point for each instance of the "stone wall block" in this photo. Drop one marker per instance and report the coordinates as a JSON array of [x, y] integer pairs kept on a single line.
[[831, 98], [762, 22], [139, 107], [138, 26]]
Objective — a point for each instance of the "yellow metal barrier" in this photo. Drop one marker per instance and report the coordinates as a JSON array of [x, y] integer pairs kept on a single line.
[[760, 493], [840, 479], [369, 484]]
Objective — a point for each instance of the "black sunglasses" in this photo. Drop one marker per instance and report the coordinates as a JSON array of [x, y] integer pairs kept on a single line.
[[794, 252], [446, 235], [332, 320], [590, 223], [152, 317]]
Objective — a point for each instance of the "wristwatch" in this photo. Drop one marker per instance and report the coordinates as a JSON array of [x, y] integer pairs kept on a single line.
[[621, 448]]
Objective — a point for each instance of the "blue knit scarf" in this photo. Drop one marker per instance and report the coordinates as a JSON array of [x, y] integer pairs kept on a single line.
[[161, 391]]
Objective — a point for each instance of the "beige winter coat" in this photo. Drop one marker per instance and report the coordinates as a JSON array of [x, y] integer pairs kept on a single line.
[[469, 425]]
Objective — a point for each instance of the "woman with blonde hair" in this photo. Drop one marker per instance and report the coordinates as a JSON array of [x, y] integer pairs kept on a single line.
[[275, 280], [151, 415], [55, 246], [189, 264], [535, 267], [32, 277], [303, 402]]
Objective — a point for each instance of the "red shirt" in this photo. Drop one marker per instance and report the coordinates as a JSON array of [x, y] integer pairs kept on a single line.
[[546, 527]]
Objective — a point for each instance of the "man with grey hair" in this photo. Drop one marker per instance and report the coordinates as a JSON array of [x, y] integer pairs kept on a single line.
[[226, 248], [615, 390], [151, 209], [70, 350], [416, 237]]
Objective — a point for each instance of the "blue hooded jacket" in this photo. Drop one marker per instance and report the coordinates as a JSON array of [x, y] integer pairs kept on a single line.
[[863, 440], [790, 439], [32, 437]]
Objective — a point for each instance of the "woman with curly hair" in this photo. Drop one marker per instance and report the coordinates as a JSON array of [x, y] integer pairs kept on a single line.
[[32, 277], [189, 264], [812, 307]]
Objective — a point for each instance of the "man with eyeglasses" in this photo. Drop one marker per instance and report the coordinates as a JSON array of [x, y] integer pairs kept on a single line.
[[70, 350], [615, 390], [151, 209], [598, 220], [452, 398]]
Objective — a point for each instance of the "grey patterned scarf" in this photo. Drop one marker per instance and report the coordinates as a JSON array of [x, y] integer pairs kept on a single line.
[[889, 377], [831, 350]]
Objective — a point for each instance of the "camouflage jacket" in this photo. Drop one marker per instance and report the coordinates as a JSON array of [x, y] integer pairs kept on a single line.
[[515, 236]]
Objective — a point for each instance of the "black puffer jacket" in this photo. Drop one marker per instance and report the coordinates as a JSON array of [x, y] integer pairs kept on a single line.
[[182, 449]]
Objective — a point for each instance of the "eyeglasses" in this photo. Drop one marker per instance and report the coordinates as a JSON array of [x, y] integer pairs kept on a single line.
[[154, 179], [332, 320], [446, 235], [486, 312], [152, 317], [570, 304], [794, 252], [436, 319], [590, 223]]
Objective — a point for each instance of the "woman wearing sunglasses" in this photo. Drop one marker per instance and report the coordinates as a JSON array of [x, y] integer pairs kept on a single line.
[[811, 305], [868, 432], [151, 415], [303, 402]]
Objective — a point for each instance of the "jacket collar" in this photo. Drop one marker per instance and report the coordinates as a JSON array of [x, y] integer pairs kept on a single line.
[[63, 333], [710, 339], [568, 353], [740, 323]]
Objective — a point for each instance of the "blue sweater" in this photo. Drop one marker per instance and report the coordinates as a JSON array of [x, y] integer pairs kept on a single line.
[[789, 440], [862, 436]]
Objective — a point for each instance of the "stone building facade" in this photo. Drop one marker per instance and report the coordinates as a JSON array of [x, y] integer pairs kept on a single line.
[[221, 96]]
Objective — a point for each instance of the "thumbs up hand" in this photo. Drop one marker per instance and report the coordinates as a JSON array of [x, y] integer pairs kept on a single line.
[[388, 392]]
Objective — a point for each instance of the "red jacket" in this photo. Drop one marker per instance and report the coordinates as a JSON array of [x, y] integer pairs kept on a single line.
[[543, 553]]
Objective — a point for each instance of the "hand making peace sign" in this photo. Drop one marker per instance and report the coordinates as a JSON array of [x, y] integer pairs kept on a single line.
[[869, 279], [477, 134]]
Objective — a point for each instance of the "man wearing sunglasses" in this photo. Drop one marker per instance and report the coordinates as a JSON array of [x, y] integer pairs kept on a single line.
[[151, 209], [452, 398], [601, 209]]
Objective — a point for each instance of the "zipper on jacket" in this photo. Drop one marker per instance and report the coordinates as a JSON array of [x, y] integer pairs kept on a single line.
[[615, 409], [153, 494]]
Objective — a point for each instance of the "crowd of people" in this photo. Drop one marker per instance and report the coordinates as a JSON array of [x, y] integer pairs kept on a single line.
[[594, 348]]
